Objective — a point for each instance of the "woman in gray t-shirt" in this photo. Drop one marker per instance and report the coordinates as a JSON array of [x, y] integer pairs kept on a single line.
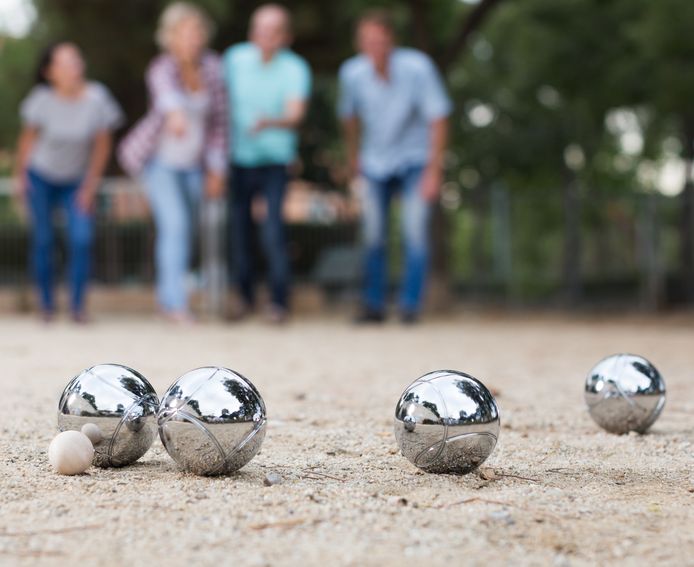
[[63, 150]]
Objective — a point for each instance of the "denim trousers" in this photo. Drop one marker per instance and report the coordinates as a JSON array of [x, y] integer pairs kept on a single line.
[[415, 218], [44, 198], [174, 197], [270, 182]]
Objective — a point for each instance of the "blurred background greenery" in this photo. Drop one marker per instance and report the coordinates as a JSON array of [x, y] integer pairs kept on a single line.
[[569, 177]]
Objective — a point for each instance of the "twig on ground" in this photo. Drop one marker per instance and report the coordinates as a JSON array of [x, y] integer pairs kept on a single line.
[[33, 553], [500, 503], [319, 475], [50, 531], [282, 524], [518, 477]]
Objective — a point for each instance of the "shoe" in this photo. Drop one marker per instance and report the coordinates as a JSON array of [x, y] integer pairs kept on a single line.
[[47, 315], [276, 315], [80, 318], [409, 318], [181, 318], [369, 316], [238, 311]]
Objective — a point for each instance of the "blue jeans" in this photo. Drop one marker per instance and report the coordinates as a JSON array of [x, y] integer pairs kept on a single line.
[[270, 181], [416, 212], [174, 197], [44, 197]]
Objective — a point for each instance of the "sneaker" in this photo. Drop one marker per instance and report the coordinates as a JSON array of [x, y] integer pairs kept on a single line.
[[238, 311], [276, 315], [409, 318], [369, 316], [80, 318], [181, 318], [47, 315]]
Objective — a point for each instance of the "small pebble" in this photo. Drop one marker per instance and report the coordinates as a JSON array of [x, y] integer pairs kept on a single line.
[[70, 452], [502, 517], [271, 479], [92, 431]]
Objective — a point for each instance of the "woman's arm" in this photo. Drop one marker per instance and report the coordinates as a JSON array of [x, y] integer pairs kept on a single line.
[[101, 151], [216, 142], [25, 144], [164, 87]]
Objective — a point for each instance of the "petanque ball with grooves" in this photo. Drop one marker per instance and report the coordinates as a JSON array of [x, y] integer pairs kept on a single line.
[[212, 421], [446, 422], [624, 392], [116, 407]]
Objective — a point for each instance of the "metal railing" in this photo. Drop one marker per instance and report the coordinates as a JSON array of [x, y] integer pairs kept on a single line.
[[497, 244]]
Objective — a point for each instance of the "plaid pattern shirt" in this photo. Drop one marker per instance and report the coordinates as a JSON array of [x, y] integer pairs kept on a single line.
[[165, 92]]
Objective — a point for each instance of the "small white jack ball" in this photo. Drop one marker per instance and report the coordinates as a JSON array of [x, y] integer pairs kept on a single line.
[[93, 431], [70, 452]]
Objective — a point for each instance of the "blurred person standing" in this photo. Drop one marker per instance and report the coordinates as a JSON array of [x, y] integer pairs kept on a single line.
[[268, 87], [178, 150], [64, 146], [394, 109]]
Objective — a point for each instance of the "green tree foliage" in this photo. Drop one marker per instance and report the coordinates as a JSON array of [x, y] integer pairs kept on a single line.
[[535, 82]]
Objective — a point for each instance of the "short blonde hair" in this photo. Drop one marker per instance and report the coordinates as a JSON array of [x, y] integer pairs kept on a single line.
[[174, 14]]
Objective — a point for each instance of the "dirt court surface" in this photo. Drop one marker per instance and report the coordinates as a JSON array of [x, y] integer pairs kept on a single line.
[[556, 491]]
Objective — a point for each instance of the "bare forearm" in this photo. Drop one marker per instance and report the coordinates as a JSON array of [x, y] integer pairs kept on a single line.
[[439, 142], [24, 147], [350, 128], [293, 116], [99, 159]]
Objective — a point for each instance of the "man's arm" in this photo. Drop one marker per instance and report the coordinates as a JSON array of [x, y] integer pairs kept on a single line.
[[350, 127], [432, 178], [294, 115]]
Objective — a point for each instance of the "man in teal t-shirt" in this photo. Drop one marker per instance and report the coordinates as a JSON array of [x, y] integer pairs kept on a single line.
[[268, 87]]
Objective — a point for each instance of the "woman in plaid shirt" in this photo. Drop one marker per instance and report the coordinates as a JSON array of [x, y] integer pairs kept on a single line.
[[179, 149]]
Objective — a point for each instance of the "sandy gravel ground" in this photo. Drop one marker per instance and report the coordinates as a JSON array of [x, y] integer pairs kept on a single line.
[[556, 491]]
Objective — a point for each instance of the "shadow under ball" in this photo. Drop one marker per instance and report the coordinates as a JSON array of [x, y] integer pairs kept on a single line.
[[212, 421], [117, 400], [446, 422], [625, 392]]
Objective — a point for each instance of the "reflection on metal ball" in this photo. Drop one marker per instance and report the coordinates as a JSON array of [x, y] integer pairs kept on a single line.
[[625, 392], [212, 421], [118, 406], [446, 422]]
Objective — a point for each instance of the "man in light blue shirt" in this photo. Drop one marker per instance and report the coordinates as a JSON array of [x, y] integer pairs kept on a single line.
[[394, 109], [268, 87]]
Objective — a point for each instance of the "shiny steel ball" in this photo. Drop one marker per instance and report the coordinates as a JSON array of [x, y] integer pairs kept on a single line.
[[446, 422], [117, 407], [212, 421], [625, 392]]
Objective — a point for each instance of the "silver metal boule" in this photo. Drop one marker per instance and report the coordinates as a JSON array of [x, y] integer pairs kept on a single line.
[[116, 402], [446, 422], [212, 421], [625, 392]]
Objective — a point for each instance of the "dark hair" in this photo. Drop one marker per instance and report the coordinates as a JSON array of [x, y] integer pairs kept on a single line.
[[45, 60], [380, 17]]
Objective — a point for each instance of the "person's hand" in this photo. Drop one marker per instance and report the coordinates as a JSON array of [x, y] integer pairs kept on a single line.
[[20, 188], [214, 185], [354, 167], [176, 123], [86, 197], [260, 125], [430, 184]]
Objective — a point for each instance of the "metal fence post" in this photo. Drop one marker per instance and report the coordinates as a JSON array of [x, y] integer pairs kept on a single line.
[[213, 256]]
